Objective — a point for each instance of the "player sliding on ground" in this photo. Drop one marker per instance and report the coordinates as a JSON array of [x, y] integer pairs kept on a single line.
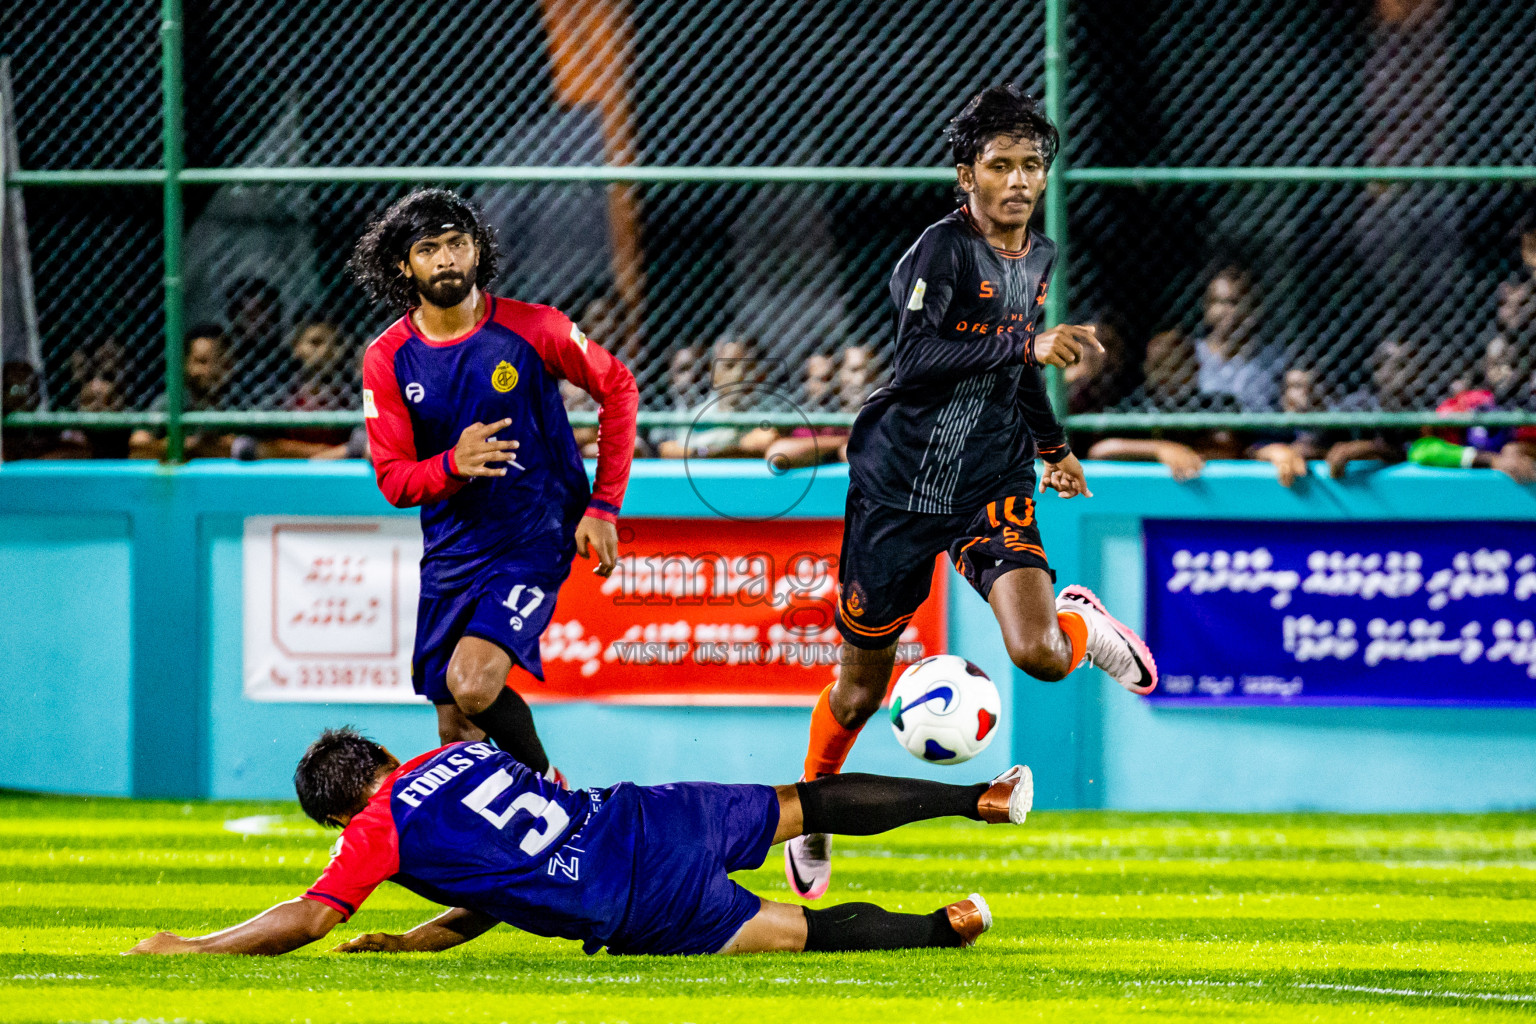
[[462, 401], [638, 869], [943, 457]]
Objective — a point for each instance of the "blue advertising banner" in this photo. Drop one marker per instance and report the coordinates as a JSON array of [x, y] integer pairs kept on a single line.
[[1242, 612]]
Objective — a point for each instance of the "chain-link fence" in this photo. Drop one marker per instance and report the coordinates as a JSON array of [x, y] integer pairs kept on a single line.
[[1356, 295]]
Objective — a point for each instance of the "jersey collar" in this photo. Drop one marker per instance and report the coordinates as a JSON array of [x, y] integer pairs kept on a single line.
[[1007, 254], [490, 311]]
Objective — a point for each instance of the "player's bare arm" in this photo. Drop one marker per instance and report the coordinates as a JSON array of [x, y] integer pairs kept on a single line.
[[969, 297], [600, 538], [280, 930], [448, 929], [479, 448]]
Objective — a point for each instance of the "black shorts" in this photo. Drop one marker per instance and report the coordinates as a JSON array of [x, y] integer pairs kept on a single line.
[[886, 566]]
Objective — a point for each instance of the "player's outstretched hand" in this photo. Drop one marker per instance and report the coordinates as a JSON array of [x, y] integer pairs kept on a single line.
[[1066, 478], [161, 942], [1064, 345], [599, 536], [373, 942], [478, 449]]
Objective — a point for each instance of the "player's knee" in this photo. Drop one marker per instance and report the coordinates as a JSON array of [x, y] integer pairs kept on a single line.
[[474, 685], [1038, 658]]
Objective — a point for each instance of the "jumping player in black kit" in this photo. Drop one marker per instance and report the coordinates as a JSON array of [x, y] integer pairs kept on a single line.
[[943, 457]]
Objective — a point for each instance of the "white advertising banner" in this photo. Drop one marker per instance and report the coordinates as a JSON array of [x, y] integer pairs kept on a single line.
[[330, 608]]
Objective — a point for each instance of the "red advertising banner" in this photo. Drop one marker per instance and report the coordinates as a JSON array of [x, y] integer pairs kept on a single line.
[[711, 612]]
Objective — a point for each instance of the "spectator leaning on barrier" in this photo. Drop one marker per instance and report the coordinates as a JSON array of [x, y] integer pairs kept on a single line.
[[816, 388], [1503, 380], [735, 370], [848, 385], [1094, 381], [98, 394], [205, 374], [258, 360], [1289, 451], [1392, 369], [97, 360], [1228, 344], [686, 372], [319, 382], [1169, 381]]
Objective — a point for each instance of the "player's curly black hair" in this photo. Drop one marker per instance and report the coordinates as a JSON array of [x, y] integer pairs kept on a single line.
[[375, 262], [335, 772], [1000, 110]]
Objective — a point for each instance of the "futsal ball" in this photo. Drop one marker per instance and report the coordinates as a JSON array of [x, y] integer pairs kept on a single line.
[[944, 710]]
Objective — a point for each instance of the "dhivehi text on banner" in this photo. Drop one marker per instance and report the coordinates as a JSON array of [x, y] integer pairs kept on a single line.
[[696, 612], [706, 611], [1350, 612], [330, 607]]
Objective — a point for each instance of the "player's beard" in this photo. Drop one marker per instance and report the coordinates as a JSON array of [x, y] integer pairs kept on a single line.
[[447, 290]]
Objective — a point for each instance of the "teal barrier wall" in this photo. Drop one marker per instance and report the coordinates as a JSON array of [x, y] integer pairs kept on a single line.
[[120, 650]]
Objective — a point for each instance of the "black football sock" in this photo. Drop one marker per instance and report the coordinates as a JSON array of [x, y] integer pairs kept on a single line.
[[509, 723], [864, 805], [851, 926]]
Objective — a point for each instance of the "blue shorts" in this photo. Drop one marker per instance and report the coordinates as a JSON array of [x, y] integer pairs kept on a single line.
[[509, 604], [692, 835]]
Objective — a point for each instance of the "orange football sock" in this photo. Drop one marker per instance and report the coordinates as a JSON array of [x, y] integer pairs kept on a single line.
[[1076, 629], [830, 742]]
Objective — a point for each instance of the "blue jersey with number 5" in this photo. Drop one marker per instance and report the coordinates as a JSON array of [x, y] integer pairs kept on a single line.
[[469, 826]]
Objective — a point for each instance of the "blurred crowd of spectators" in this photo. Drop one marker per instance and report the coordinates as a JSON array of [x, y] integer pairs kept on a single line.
[[252, 361], [1226, 366], [258, 360]]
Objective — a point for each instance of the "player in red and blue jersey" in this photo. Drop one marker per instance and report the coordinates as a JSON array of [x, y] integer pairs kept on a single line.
[[462, 402], [636, 869]]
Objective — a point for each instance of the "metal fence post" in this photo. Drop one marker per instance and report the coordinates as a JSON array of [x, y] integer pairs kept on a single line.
[[174, 160], [1056, 185]]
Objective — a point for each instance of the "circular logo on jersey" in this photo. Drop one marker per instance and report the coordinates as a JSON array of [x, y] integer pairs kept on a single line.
[[504, 377], [415, 392]]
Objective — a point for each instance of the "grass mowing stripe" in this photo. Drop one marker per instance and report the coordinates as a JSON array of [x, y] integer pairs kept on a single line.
[[1509, 997], [1100, 916]]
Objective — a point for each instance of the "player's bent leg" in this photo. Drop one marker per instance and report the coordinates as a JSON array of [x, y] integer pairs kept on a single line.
[[783, 927], [1109, 643], [453, 726], [477, 679], [852, 927], [840, 712], [1025, 605], [856, 804], [776, 928], [844, 707]]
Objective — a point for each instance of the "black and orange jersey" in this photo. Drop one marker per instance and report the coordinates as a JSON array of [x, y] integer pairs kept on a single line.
[[966, 410]]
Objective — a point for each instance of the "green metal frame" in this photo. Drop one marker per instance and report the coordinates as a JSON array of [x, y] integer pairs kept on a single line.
[[173, 176]]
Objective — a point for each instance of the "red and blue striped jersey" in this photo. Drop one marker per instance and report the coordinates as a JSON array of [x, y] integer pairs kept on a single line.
[[418, 397], [469, 826]]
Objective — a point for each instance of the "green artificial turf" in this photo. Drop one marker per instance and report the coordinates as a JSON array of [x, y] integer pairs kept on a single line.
[[1100, 917]]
